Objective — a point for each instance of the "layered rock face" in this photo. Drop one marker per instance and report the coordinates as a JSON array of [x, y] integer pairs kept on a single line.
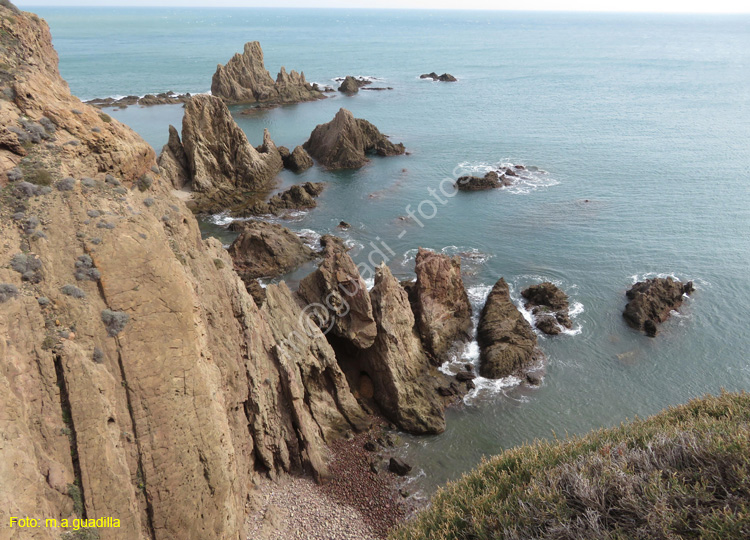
[[173, 161], [405, 389], [550, 307], [651, 302], [345, 141], [223, 167], [244, 79], [441, 305], [138, 379], [507, 342], [337, 297]]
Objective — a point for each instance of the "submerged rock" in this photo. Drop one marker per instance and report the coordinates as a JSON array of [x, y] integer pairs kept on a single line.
[[550, 307], [338, 298], [266, 250], [244, 79], [507, 343], [345, 141], [397, 363], [651, 302], [441, 305], [445, 77]]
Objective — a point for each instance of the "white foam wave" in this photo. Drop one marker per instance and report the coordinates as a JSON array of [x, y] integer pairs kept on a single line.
[[484, 388], [635, 278], [527, 180], [310, 238], [370, 78], [369, 283], [222, 219]]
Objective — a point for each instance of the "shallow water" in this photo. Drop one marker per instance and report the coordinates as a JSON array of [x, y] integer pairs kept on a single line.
[[645, 117]]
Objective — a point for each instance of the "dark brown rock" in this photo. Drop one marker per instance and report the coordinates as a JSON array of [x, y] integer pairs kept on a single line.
[[550, 307], [399, 466], [651, 302], [297, 197], [298, 161], [349, 86], [345, 141], [441, 305], [476, 183], [506, 340], [445, 77]]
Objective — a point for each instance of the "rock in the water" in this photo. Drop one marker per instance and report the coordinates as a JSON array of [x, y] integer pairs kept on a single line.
[[397, 363], [244, 79], [345, 141], [266, 250], [297, 197], [221, 163], [164, 98], [441, 305], [173, 161], [298, 161], [491, 180], [507, 343], [550, 307], [399, 466], [338, 298], [651, 302], [349, 86], [445, 77]]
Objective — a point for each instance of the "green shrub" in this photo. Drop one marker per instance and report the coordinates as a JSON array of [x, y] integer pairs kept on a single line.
[[684, 473], [39, 176], [105, 118]]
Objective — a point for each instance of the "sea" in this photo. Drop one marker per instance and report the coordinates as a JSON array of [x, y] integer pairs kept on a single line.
[[635, 133]]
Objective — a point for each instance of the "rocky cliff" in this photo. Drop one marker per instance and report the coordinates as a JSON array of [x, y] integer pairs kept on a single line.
[[138, 379], [244, 79], [215, 158], [345, 142]]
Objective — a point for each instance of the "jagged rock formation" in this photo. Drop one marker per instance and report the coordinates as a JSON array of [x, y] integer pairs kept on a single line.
[[338, 298], [222, 165], [244, 79], [405, 389], [297, 197], [298, 160], [550, 307], [345, 141], [651, 302], [445, 77], [441, 305], [173, 161], [266, 250], [159, 395], [507, 343], [351, 85]]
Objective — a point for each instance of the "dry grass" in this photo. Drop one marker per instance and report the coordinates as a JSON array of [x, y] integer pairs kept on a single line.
[[684, 473]]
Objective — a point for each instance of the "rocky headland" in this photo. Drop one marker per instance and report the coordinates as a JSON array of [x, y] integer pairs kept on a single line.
[[345, 142], [651, 302], [244, 79]]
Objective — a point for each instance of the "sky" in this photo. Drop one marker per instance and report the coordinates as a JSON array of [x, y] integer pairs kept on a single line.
[[660, 6]]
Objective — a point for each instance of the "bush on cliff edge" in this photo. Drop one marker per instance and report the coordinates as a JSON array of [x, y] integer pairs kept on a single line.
[[684, 473]]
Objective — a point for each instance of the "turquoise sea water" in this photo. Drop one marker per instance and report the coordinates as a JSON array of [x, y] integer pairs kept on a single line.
[[646, 117]]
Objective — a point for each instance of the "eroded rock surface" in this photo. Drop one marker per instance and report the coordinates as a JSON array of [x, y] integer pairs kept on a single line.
[[549, 306], [405, 383], [507, 343], [338, 299], [298, 160], [345, 142], [171, 389], [223, 167], [297, 197], [244, 79], [651, 301], [441, 305]]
